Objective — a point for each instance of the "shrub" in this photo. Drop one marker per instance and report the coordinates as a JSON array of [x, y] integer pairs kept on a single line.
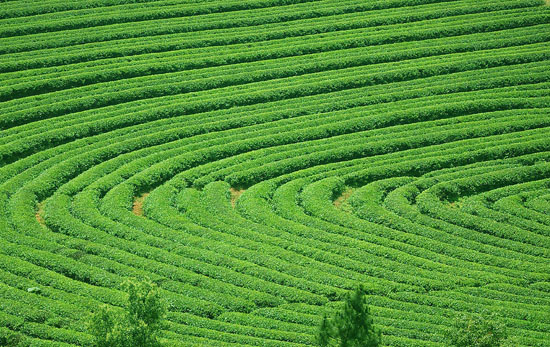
[[477, 331]]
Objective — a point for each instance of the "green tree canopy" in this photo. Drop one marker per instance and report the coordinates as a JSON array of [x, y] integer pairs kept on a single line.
[[352, 326], [138, 325], [477, 330]]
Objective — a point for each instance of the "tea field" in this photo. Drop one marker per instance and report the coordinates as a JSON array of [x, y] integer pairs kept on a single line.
[[259, 159]]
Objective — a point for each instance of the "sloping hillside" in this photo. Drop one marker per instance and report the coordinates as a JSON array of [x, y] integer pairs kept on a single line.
[[259, 159]]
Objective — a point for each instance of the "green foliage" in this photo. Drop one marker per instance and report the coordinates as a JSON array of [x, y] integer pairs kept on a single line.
[[414, 103], [477, 330], [350, 327], [10, 338], [138, 325]]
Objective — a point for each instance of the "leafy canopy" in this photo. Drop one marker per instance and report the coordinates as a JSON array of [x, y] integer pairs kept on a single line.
[[138, 325], [477, 330]]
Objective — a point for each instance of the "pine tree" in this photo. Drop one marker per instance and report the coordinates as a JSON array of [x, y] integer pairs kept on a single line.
[[323, 337], [352, 326]]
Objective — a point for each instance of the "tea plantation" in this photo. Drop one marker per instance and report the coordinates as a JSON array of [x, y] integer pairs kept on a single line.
[[260, 159]]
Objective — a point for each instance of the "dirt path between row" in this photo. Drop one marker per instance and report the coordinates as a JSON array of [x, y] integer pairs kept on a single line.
[[342, 198], [137, 209], [235, 194]]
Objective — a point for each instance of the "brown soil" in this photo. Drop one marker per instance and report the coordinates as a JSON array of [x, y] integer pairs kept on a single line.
[[235, 194], [455, 204], [138, 204], [342, 198], [39, 213]]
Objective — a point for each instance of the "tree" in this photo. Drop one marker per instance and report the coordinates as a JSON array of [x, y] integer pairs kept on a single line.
[[138, 325], [325, 332], [350, 327], [477, 330]]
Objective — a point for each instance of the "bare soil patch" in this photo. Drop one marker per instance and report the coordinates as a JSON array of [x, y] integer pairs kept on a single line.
[[342, 198], [40, 213], [235, 194], [459, 203], [138, 204]]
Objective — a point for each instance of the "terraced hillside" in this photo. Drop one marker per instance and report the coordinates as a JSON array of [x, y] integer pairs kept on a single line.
[[259, 159]]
